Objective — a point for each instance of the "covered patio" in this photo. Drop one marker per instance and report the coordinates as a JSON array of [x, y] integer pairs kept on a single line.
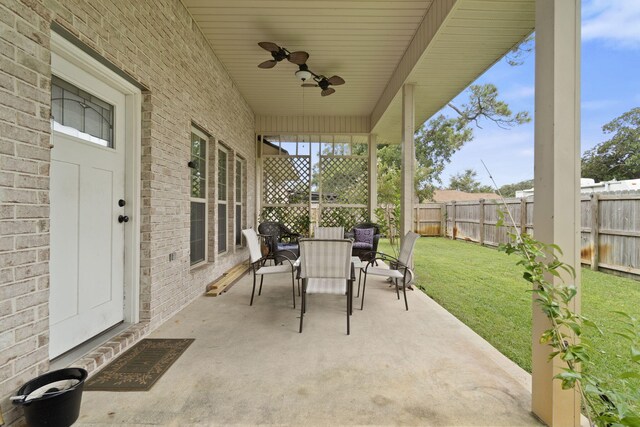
[[249, 365], [113, 234]]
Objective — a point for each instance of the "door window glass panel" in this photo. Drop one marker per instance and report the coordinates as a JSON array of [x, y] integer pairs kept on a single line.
[[80, 114]]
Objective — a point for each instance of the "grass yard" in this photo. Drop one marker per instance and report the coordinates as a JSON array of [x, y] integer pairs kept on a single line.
[[485, 289]]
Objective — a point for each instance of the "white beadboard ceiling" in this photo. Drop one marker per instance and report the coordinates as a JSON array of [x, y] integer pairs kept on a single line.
[[375, 45]]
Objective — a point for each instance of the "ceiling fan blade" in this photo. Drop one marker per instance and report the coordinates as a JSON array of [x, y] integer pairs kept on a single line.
[[268, 64], [309, 85], [271, 47], [335, 80], [299, 57], [328, 92]]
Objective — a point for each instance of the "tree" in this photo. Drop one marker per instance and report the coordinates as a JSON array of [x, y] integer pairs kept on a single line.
[[466, 181], [509, 190], [619, 157], [519, 52], [440, 138]]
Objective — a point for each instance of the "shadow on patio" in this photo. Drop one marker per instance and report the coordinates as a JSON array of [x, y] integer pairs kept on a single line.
[[249, 365]]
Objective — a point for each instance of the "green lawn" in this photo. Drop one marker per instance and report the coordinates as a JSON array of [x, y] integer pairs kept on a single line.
[[484, 289]]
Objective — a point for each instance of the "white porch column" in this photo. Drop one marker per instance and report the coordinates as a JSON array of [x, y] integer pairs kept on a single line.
[[408, 160], [556, 181], [373, 177]]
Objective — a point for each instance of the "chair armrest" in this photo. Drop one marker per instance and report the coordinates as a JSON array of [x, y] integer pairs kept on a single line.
[[383, 257], [284, 254], [376, 238]]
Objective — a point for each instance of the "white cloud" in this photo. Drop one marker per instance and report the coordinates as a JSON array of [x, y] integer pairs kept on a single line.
[[616, 22]]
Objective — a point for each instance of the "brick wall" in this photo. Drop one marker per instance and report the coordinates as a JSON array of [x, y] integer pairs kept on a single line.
[[158, 45]]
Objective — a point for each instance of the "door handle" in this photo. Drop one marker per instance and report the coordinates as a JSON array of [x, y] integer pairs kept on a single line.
[[123, 218], [121, 202]]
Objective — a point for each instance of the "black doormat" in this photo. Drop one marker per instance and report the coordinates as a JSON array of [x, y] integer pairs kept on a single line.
[[140, 367]]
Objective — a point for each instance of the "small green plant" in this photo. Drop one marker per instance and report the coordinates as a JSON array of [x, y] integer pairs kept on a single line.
[[388, 217], [605, 402]]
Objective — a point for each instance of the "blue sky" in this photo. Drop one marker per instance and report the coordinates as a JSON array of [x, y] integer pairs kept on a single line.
[[610, 87]]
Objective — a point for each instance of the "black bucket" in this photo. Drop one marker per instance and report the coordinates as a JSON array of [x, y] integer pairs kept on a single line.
[[59, 406]]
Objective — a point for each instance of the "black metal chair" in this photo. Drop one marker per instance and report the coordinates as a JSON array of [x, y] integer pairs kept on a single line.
[[279, 239], [364, 250], [398, 267]]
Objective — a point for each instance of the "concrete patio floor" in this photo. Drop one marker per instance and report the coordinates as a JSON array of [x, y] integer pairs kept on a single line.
[[249, 365]]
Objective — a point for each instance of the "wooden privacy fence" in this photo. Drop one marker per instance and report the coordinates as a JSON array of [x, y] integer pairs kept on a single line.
[[610, 226]]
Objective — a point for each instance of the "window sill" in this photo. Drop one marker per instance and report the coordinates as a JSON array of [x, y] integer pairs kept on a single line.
[[200, 266]]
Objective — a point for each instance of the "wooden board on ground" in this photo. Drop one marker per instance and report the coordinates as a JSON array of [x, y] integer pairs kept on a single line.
[[223, 283]]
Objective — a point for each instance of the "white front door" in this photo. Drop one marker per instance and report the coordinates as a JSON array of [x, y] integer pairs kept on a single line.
[[87, 221]]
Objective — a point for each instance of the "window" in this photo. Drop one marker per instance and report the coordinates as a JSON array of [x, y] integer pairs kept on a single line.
[[223, 186], [198, 197], [239, 200], [80, 114]]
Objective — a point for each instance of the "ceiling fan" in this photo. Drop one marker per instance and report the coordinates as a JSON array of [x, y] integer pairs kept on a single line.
[[324, 83], [280, 53], [304, 73]]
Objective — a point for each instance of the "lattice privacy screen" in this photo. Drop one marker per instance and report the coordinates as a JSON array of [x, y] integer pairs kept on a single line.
[[285, 179], [345, 217], [344, 191], [285, 191], [341, 200]]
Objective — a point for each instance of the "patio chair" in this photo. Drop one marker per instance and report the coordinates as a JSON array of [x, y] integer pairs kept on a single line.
[[398, 267], [258, 267], [325, 268], [329, 233], [366, 236], [280, 239]]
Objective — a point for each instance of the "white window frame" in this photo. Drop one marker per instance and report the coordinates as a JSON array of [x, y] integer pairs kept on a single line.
[[239, 200], [204, 200], [222, 201]]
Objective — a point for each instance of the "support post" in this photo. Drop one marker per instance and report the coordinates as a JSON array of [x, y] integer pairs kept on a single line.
[[373, 177], [595, 232], [454, 229], [443, 220], [481, 223], [557, 184], [408, 160], [523, 215], [258, 182]]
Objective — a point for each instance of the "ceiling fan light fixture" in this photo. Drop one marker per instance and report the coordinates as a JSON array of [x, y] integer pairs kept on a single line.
[[303, 74], [308, 77]]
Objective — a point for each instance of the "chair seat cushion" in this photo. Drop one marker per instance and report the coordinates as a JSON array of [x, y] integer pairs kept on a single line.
[[271, 269], [384, 272], [327, 286], [362, 245]]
